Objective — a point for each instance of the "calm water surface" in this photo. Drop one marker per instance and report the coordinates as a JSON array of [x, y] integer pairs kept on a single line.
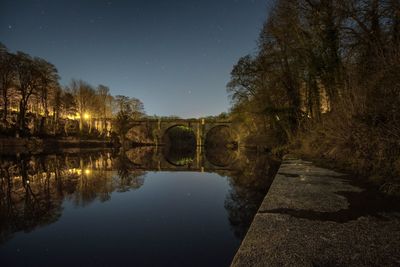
[[141, 207]]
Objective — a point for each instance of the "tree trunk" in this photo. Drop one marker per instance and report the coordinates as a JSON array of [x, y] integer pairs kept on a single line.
[[81, 124], [21, 117], [5, 100]]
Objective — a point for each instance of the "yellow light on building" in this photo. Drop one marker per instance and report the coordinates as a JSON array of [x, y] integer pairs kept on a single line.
[[74, 117], [86, 116], [87, 171]]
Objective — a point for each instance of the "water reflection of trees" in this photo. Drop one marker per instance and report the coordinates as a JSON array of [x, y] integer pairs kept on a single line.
[[250, 176], [26, 200], [250, 181], [129, 176], [32, 188]]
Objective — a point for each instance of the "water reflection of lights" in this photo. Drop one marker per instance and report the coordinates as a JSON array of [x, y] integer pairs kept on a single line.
[[17, 178]]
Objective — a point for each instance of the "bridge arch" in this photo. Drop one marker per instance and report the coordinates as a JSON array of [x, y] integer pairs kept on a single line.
[[140, 133], [224, 134], [182, 131]]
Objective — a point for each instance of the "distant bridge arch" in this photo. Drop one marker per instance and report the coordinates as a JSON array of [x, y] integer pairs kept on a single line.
[[215, 129], [165, 133]]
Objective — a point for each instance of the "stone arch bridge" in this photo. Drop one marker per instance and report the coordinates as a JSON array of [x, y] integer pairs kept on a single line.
[[200, 127]]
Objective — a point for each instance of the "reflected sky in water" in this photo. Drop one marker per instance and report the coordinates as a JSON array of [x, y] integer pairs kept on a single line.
[[105, 208]]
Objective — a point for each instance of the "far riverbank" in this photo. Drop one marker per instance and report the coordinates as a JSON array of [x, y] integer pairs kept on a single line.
[[13, 145]]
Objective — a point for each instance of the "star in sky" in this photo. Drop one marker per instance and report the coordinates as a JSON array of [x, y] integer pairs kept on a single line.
[[151, 50]]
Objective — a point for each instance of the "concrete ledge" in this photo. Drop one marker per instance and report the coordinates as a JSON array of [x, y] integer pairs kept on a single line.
[[315, 217]]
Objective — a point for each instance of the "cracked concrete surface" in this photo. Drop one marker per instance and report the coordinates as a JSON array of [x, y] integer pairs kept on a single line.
[[313, 216]]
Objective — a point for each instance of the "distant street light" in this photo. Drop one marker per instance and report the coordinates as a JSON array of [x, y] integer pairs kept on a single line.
[[86, 116]]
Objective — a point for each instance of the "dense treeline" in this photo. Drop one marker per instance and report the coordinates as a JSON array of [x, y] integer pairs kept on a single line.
[[326, 81], [34, 103]]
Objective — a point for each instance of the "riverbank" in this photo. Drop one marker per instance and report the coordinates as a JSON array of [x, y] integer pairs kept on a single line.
[[353, 145], [12, 145], [313, 216]]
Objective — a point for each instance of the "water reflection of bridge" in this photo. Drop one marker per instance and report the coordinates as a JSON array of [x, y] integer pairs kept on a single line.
[[151, 159]]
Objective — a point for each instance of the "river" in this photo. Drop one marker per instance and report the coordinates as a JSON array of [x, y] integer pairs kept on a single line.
[[141, 207]]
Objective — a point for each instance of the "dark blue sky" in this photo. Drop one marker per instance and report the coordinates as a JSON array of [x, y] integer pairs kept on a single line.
[[175, 56]]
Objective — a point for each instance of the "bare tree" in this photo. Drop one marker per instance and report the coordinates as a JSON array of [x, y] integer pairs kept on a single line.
[[7, 77], [103, 95], [27, 75], [129, 109], [85, 97]]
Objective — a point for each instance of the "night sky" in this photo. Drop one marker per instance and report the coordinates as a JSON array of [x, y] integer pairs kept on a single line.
[[175, 56]]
